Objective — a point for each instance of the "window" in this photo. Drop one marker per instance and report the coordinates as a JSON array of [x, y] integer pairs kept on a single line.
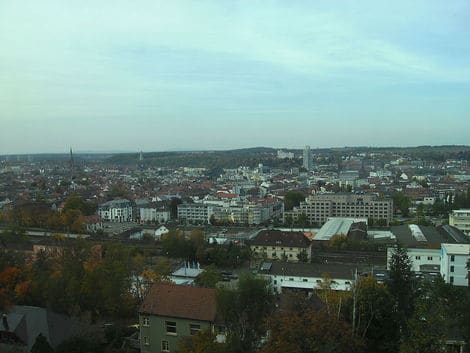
[[291, 279], [452, 258], [194, 328], [430, 258], [165, 346], [418, 257], [451, 278], [146, 340], [170, 327], [145, 321], [305, 280], [451, 268]]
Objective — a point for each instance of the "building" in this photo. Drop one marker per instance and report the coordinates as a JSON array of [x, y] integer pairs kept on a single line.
[[280, 245], [450, 262], [195, 212], [245, 212], [318, 208], [307, 158], [172, 312], [454, 260], [342, 226], [154, 213], [116, 211], [460, 219], [307, 276], [20, 326]]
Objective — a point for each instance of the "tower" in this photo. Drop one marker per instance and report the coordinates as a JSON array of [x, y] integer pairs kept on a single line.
[[72, 165], [141, 160], [307, 158]]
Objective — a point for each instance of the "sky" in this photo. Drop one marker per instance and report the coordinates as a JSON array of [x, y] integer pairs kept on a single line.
[[202, 75]]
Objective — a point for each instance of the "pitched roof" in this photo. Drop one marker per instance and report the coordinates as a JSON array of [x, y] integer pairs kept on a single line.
[[180, 301], [281, 238]]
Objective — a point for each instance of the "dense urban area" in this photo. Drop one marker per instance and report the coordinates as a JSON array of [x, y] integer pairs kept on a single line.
[[251, 250]]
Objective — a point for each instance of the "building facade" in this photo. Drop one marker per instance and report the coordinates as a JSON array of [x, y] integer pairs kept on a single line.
[[307, 158], [116, 211], [460, 219], [318, 208], [280, 245], [172, 312], [450, 261], [454, 259]]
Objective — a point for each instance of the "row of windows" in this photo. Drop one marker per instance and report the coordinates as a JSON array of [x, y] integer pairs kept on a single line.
[[419, 258]]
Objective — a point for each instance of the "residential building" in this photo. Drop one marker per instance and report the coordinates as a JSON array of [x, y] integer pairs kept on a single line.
[[172, 312], [116, 211], [154, 213], [307, 158], [307, 276], [454, 260], [318, 208], [280, 245], [450, 261], [21, 325], [195, 212], [460, 219]]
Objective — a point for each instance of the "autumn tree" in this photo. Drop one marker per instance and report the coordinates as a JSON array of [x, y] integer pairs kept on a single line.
[[310, 331]]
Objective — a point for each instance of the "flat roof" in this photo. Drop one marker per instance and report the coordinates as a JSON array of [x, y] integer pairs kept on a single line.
[[457, 249]]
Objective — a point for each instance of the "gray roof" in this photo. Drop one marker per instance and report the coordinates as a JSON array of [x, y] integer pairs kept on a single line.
[[28, 322], [343, 271], [405, 237], [280, 238]]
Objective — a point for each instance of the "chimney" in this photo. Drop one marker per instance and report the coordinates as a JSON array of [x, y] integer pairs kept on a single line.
[[5, 322]]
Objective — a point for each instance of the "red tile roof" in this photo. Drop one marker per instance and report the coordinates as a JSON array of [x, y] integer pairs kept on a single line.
[[181, 301]]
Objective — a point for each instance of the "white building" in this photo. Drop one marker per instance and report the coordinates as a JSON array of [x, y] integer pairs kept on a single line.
[[460, 219], [307, 158], [160, 231], [306, 276], [154, 214], [454, 259], [116, 211], [450, 260]]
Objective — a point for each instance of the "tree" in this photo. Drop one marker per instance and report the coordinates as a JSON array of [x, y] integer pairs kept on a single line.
[[309, 331], [402, 203], [202, 342], [400, 286], [427, 326], [302, 256], [373, 317], [244, 311], [293, 199], [209, 278], [41, 345]]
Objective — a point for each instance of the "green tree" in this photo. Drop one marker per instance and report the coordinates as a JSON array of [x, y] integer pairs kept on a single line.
[[293, 199], [401, 287], [41, 345], [402, 203], [209, 278], [244, 311], [373, 316]]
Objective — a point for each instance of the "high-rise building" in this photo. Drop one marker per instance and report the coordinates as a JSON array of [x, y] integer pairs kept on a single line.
[[307, 162]]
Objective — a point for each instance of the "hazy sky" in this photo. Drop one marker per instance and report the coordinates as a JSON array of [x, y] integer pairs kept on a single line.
[[166, 75]]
